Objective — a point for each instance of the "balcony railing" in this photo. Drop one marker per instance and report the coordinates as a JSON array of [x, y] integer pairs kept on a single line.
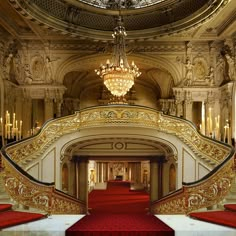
[[205, 192]]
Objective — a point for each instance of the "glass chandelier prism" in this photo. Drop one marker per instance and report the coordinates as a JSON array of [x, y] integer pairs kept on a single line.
[[117, 74]]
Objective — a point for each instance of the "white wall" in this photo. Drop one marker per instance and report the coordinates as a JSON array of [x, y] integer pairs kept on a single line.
[[48, 168]]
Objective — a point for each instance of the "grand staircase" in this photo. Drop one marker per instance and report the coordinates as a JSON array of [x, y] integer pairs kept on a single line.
[[217, 186]]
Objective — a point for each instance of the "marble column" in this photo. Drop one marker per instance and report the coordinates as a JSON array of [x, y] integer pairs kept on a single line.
[[156, 177], [97, 172], [58, 104], [77, 179], [161, 161], [153, 179], [48, 109], [209, 111], [102, 172], [179, 108], [83, 179], [188, 107]]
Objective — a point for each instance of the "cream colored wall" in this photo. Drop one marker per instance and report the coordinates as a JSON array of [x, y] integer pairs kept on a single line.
[[145, 96], [89, 97], [192, 168], [49, 166], [44, 169]]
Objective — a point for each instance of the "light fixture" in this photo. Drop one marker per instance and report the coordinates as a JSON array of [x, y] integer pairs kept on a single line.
[[118, 76], [10, 130]]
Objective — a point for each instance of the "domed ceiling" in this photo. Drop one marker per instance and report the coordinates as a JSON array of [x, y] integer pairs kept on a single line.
[[122, 4], [95, 19]]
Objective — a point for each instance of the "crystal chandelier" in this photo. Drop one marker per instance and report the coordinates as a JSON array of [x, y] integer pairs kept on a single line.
[[118, 76]]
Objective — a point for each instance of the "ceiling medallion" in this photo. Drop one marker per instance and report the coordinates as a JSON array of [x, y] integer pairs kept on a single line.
[[118, 76], [121, 4]]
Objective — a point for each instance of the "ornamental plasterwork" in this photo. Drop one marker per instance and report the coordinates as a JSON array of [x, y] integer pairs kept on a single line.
[[103, 146], [203, 194], [39, 196], [117, 116], [37, 67], [200, 69], [197, 94], [43, 91], [196, 14], [98, 117]]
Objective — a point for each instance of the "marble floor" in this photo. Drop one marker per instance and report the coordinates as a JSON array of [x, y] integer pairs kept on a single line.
[[56, 225]]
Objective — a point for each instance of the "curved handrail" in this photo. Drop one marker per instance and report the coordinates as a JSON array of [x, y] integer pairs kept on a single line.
[[136, 116], [29, 191]]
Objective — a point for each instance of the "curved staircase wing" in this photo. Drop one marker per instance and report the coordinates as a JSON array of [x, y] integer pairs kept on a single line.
[[203, 193]]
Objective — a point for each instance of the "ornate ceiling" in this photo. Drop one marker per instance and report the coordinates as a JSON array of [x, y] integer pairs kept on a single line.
[[83, 29], [94, 20]]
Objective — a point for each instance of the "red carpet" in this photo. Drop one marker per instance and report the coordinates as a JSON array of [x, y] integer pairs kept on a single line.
[[118, 199], [119, 225], [11, 218], [118, 211], [226, 218], [230, 207], [5, 207]]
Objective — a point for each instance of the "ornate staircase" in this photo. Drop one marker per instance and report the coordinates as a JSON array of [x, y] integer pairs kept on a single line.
[[208, 191]]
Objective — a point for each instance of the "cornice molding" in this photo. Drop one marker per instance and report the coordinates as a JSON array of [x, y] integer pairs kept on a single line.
[[55, 17]]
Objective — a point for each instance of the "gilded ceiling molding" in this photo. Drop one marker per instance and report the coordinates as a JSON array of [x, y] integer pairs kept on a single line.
[[84, 23]]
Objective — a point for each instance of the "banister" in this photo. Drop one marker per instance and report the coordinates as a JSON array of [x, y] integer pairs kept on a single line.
[[219, 153]]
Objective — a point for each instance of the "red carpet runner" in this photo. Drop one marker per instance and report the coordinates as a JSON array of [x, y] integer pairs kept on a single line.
[[226, 217], [9, 217], [5, 207], [118, 211]]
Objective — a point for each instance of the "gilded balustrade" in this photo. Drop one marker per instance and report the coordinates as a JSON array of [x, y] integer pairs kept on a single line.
[[45, 197], [110, 116], [202, 194]]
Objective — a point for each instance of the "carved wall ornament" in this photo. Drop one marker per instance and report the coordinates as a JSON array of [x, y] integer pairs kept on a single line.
[[27, 191], [37, 68], [27, 74], [200, 69]]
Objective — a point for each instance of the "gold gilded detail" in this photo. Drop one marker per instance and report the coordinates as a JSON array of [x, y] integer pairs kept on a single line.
[[44, 197], [204, 194]]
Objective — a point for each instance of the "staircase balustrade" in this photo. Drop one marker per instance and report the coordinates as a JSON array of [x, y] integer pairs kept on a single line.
[[30, 192]]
